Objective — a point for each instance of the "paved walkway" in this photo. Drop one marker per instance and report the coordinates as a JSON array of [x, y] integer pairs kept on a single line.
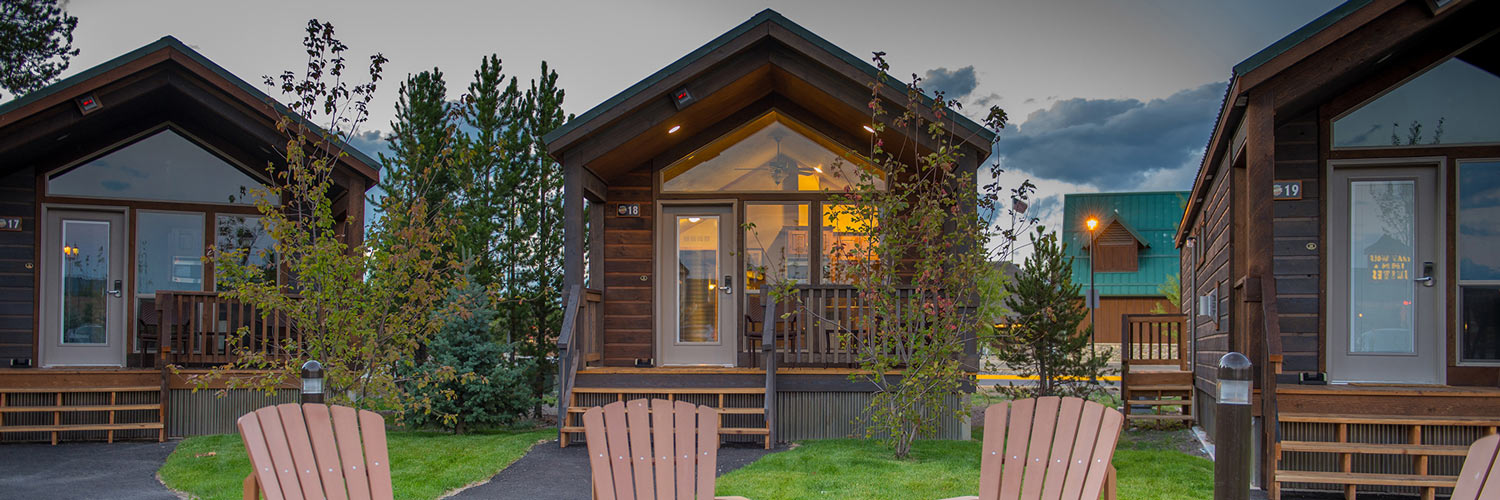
[[548, 472], [123, 471]]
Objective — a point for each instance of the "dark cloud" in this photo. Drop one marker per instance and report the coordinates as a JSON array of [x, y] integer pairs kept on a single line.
[[1115, 144], [371, 143], [954, 84]]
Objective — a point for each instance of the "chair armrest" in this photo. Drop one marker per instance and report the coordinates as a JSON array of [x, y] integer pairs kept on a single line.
[[970, 497]]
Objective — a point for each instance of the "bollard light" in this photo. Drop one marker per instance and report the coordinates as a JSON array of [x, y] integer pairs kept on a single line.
[[312, 381], [1234, 379]]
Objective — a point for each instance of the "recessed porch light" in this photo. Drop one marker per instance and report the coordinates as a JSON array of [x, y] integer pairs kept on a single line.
[[674, 129], [868, 129], [818, 168]]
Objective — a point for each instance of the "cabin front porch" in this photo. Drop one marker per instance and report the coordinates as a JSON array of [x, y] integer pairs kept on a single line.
[[152, 396]]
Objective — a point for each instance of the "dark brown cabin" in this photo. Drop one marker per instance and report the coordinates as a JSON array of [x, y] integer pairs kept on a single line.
[[115, 184], [757, 127], [1342, 233]]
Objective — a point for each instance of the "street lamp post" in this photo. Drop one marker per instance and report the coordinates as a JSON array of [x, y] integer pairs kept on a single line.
[[1092, 223]]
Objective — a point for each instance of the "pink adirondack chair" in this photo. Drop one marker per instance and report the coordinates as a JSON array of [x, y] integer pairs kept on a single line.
[[313, 451], [653, 450], [1048, 448], [1480, 478]]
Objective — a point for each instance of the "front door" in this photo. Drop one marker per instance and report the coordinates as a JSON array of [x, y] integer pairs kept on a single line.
[[83, 294], [696, 309], [1385, 286]]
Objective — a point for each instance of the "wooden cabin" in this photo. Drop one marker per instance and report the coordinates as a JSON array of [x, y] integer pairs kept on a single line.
[[680, 190], [115, 184], [1342, 233]]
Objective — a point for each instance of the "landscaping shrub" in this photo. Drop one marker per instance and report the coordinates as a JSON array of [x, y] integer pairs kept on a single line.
[[468, 380], [1044, 339]]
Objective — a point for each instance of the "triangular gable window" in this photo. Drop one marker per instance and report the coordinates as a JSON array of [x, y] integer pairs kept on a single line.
[[771, 154], [1456, 102], [164, 166]]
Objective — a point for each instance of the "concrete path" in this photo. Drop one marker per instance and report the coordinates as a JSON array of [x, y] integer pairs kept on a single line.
[[121, 471], [548, 472]]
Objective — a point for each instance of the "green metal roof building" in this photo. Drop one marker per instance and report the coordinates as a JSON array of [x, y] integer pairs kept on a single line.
[[1150, 217]]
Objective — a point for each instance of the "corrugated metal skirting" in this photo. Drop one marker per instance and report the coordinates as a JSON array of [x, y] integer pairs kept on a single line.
[[1378, 464], [205, 412], [832, 415]]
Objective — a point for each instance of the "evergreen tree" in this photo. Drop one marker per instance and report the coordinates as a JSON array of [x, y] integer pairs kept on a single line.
[[467, 382], [36, 42], [1044, 339], [422, 142]]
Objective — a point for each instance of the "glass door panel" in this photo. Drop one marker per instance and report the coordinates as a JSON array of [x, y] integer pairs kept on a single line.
[[85, 281], [697, 278], [1381, 257]]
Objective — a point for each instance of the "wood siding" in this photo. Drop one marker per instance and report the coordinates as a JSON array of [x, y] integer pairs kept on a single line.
[[629, 251], [17, 269], [1210, 273], [1297, 256], [1112, 308]]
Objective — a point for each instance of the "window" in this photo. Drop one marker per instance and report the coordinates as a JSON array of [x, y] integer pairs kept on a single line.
[[168, 256], [847, 248], [1455, 102], [776, 244], [236, 232], [164, 166], [1478, 262], [771, 154]]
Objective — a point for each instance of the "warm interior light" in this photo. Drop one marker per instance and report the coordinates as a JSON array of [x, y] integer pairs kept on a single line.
[[694, 219], [674, 129], [818, 168], [868, 129], [710, 286], [1092, 223]]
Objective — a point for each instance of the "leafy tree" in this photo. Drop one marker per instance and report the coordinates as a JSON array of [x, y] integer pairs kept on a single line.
[[362, 311], [36, 44], [1044, 339], [918, 252], [467, 380]]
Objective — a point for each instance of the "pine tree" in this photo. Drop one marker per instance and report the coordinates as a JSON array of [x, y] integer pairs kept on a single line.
[[466, 381], [1044, 339], [422, 142], [36, 43]]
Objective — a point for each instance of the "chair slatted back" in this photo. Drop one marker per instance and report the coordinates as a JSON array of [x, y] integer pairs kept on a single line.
[[316, 451], [1480, 479], [1048, 448], [652, 450]]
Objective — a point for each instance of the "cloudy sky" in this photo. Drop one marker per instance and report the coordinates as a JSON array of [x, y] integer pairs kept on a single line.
[[1104, 95]]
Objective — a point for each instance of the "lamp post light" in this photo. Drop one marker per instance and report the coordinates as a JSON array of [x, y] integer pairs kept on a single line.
[[1232, 428], [312, 381]]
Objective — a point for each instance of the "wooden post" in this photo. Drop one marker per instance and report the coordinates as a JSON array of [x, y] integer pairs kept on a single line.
[[1232, 429], [768, 354]]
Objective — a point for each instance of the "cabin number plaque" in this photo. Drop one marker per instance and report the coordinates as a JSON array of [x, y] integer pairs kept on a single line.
[[628, 210], [1286, 190], [10, 223]]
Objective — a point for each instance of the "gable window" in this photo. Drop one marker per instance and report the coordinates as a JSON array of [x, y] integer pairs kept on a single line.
[[1455, 102], [164, 166], [1478, 262], [771, 154]]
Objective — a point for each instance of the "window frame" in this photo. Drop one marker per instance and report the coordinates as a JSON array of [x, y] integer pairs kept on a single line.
[[168, 126], [776, 116], [1459, 282]]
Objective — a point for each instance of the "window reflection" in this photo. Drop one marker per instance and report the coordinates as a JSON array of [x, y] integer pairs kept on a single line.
[[770, 154], [165, 166], [248, 232], [776, 244], [1478, 261], [847, 248], [1453, 103]]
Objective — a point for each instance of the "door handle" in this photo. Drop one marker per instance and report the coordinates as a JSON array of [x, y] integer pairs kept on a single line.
[[728, 285], [116, 291], [1426, 279]]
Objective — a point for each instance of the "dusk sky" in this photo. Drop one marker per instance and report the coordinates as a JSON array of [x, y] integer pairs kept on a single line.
[[1103, 95]]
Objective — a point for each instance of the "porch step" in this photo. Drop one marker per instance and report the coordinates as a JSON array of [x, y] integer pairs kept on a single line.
[[1341, 448], [1162, 388], [1165, 402], [573, 423], [27, 409], [37, 409], [75, 390]]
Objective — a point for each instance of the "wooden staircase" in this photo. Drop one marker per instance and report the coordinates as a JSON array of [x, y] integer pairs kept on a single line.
[[1362, 450], [1155, 382], [741, 413], [52, 411]]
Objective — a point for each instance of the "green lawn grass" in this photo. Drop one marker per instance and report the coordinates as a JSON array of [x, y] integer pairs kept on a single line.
[[1149, 468], [424, 465]]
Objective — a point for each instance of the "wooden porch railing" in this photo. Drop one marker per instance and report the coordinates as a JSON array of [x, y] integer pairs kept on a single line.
[[202, 328], [1154, 339], [824, 325], [579, 342]]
